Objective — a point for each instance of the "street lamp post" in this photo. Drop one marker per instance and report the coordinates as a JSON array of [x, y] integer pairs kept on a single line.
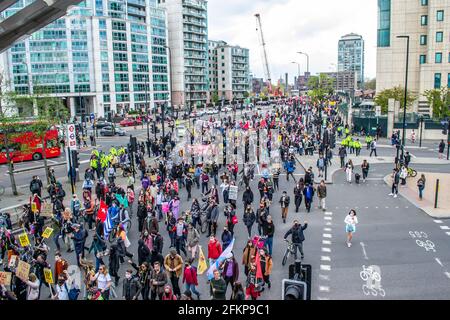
[[307, 60], [421, 130], [406, 91]]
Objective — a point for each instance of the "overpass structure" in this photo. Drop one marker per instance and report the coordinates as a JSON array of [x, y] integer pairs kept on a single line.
[[31, 18]]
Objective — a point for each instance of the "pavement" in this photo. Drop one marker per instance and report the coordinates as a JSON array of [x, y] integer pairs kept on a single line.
[[410, 192]]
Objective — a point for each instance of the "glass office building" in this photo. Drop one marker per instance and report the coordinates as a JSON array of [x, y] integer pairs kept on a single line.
[[351, 56], [105, 56]]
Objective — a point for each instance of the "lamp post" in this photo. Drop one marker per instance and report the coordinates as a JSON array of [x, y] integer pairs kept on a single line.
[[307, 60], [406, 91], [298, 65], [421, 130]]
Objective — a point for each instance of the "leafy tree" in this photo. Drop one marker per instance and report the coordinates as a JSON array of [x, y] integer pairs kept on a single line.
[[439, 100], [320, 87], [246, 94], [396, 93], [215, 98]]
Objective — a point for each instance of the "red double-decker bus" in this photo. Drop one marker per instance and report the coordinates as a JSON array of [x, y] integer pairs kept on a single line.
[[24, 145]]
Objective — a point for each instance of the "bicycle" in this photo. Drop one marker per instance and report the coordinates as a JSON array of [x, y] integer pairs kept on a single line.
[[289, 250], [411, 173]]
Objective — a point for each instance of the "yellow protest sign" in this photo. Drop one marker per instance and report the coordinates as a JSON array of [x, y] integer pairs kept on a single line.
[[47, 233], [202, 264], [23, 270], [48, 276], [5, 278], [34, 207], [23, 239]]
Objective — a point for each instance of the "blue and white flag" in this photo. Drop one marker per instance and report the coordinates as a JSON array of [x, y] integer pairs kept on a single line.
[[225, 254], [107, 225]]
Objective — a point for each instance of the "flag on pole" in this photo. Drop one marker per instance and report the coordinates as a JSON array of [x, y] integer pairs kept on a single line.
[[259, 274], [225, 254], [202, 264], [122, 200], [102, 211], [108, 224]]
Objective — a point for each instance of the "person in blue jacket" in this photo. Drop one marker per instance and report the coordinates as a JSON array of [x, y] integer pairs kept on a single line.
[[289, 166]]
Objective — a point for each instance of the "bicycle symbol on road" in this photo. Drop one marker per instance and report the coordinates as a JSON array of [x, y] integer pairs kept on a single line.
[[427, 244], [372, 276]]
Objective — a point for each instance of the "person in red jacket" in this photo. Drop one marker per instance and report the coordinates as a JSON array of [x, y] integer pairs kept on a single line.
[[214, 250], [190, 278], [168, 295]]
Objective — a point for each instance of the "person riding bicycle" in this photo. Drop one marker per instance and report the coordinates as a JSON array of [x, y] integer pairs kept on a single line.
[[297, 237]]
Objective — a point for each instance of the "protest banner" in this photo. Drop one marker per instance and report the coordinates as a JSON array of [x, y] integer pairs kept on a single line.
[[12, 262], [5, 278], [46, 210], [48, 276], [23, 239], [23, 270], [47, 233], [233, 194]]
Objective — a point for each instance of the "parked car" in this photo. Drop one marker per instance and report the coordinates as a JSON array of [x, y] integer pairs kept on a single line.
[[112, 131], [102, 124], [130, 122]]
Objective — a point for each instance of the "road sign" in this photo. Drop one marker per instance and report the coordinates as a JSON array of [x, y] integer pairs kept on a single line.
[[377, 111], [71, 136]]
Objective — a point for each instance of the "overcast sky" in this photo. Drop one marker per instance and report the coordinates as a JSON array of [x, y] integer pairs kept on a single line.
[[295, 25]]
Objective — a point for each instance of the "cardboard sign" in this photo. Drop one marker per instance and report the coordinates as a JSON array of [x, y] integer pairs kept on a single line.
[[23, 270], [5, 278], [48, 276], [23, 239], [12, 262], [47, 233], [233, 193], [46, 210]]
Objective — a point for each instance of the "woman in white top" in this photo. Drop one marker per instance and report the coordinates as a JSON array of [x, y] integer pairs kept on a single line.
[[349, 170], [32, 287], [403, 175], [350, 226], [104, 281], [62, 288]]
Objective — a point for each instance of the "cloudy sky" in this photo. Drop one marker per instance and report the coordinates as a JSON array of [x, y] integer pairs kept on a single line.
[[295, 25]]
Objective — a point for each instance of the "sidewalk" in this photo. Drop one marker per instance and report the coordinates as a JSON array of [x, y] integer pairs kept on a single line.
[[311, 161], [411, 193]]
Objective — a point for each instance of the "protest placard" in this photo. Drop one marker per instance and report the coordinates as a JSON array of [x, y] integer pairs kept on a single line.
[[23, 270], [48, 276], [23, 239], [46, 210], [5, 278], [233, 194], [47, 233]]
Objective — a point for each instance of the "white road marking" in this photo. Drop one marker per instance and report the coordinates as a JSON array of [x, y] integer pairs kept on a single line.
[[376, 207], [327, 229], [321, 298], [367, 207], [324, 288], [324, 277], [439, 262], [363, 246], [445, 228], [325, 267], [326, 250], [328, 224], [326, 242], [447, 274], [328, 218], [328, 213], [327, 235], [325, 258], [448, 233]]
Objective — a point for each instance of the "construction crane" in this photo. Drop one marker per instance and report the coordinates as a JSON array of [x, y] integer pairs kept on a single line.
[[264, 51]]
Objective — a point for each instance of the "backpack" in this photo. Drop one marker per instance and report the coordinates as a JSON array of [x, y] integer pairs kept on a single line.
[[35, 186], [72, 293]]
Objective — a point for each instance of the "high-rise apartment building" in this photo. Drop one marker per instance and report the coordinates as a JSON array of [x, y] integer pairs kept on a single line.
[[229, 70], [351, 56], [426, 22], [104, 56], [188, 42]]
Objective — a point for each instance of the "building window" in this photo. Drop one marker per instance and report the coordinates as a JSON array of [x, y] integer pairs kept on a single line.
[[439, 36], [438, 57], [423, 40], [384, 23], [424, 20], [440, 15], [424, 2], [448, 80], [437, 80], [423, 59]]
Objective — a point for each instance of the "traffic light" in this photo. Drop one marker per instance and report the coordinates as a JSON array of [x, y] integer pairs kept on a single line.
[[133, 142], [293, 290], [75, 159]]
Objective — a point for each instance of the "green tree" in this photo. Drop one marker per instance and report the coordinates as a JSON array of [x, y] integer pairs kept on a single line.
[[246, 94], [396, 93], [320, 87], [215, 98], [439, 100]]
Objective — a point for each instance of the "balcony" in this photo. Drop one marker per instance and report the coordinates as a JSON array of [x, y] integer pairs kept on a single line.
[[140, 3], [194, 13], [195, 4], [196, 48], [195, 56], [195, 22]]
